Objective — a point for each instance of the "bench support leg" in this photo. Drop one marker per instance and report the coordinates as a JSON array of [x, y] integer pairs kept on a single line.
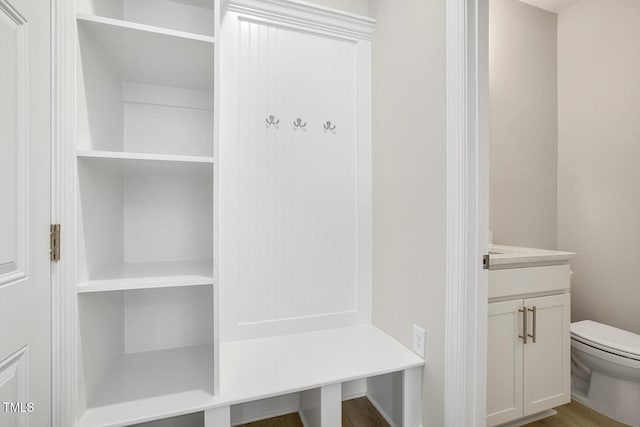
[[411, 393], [322, 407], [218, 417]]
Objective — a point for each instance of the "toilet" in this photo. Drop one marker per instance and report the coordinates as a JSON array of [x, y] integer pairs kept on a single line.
[[605, 370]]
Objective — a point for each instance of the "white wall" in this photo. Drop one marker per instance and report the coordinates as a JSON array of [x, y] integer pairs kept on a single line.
[[410, 182], [523, 124], [599, 158]]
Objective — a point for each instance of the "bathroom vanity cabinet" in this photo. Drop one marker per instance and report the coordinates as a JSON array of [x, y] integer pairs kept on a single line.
[[528, 370], [532, 377]]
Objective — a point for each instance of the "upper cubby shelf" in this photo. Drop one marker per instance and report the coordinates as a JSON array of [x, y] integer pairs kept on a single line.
[[152, 55], [144, 385]]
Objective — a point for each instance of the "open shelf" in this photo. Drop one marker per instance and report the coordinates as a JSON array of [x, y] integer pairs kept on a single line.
[[145, 353], [143, 156], [148, 164], [144, 230], [144, 223], [149, 275], [153, 55], [143, 386]]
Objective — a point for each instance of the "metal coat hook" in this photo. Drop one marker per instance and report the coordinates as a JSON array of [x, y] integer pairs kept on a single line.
[[328, 126], [271, 120], [298, 123]]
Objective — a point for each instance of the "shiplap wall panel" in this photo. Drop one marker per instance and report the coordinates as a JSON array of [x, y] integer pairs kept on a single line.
[[291, 250]]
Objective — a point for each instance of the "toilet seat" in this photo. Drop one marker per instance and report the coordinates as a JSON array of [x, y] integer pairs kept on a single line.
[[607, 338]]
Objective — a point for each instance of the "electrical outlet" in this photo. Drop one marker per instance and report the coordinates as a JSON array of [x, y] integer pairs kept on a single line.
[[419, 337]]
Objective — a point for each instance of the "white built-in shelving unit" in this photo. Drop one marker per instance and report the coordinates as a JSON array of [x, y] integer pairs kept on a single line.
[[242, 140], [145, 217]]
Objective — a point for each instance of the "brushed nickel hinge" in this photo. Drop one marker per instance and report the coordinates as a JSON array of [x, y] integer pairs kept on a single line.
[[54, 239], [485, 262]]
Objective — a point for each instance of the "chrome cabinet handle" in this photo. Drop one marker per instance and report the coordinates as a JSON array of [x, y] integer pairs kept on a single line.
[[524, 325], [534, 310]]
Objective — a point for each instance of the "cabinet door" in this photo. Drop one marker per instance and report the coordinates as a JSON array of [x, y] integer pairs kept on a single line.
[[25, 268], [504, 368], [547, 377]]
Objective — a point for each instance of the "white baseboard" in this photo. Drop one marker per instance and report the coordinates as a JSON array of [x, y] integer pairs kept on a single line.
[[354, 389], [382, 412], [530, 419], [266, 408], [190, 420], [305, 423], [288, 404]]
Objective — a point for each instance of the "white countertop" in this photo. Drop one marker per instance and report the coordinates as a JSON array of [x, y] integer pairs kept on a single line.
[[501, 255]]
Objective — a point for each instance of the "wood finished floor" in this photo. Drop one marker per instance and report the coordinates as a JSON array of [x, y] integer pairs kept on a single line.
[[361, 413], [576, 415], [355, 413]]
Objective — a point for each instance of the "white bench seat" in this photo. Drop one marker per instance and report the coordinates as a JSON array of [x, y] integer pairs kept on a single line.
[[267, 367]]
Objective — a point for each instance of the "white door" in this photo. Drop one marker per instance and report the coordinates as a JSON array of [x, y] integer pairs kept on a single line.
[[547, 361], [25, 362], [504, 362]]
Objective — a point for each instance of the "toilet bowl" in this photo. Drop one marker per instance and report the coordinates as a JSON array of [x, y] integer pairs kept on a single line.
[[605, 370]]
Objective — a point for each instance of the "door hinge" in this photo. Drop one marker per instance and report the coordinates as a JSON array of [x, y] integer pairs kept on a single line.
[[485, 262], [54, 239]]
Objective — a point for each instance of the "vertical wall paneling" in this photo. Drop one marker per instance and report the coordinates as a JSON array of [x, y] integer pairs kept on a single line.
[[294, 197]]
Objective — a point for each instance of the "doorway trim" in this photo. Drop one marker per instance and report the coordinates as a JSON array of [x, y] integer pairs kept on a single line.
[[467, 212], [63, 292]]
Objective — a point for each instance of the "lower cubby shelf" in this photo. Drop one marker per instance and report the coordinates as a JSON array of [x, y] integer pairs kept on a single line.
[[312, 366], [145, 354], [151, 385]]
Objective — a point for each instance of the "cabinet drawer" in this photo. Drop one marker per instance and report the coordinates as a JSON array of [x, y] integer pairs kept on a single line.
[[528, 280]]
